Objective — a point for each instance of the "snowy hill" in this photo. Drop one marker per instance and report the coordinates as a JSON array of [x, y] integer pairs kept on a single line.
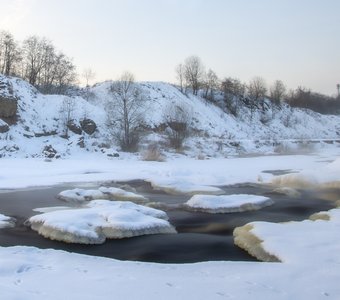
[[41, 123]]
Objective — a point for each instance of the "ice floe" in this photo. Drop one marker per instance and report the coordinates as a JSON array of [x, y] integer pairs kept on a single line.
[[227, 203], [112, 193], [6, 221], [101, 219], [184, 188], [308, 241]]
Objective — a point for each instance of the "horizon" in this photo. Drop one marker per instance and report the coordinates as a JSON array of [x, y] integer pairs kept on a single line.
[[293, 42]]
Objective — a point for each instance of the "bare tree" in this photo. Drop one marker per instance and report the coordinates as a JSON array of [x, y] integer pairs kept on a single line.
[[257, 90], [177, 118], [233, 91], [277, 92], [49, 71], [194, 73], [88, 75], [180, 76], [33, 55], [9, 53], [211, 83], [65, 73], [66, 113], [126, 111]]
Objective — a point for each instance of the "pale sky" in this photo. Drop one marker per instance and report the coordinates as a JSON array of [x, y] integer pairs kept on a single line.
[[297, 41]]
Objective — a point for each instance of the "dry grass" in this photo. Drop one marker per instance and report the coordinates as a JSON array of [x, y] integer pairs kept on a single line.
[[153, 153]]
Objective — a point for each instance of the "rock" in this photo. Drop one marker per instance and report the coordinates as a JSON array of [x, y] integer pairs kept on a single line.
[[8, 102], [8, 106], [81, 142], [75, 128], [50, 152], [113, 155], [3, 127], [45, 133], [88, 125]]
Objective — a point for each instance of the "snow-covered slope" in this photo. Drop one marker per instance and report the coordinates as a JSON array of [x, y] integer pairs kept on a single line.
[[41, 123]]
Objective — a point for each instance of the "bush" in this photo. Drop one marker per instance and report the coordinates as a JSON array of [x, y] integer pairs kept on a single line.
[[177, 118]]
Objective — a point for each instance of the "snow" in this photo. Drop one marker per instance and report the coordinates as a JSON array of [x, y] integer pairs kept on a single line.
[[183, 188], [228, 203], [309, 250], [22, 173], [214, 133], [306, 242], [82, 195], [326, 176], [31, 273], [100, 219], [6, 221]]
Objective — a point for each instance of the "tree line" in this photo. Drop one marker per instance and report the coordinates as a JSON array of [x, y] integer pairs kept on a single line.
[[192, 76], [37, 61]]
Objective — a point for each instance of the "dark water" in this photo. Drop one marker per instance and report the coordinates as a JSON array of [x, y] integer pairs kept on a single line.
[[201, 236]]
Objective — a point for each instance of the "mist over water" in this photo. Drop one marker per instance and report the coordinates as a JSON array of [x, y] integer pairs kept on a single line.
[[201, 236]]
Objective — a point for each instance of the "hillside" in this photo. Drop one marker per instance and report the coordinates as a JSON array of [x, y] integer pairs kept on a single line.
[[40, 123]]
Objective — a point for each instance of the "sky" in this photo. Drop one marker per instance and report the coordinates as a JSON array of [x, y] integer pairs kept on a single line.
[[296, 41]]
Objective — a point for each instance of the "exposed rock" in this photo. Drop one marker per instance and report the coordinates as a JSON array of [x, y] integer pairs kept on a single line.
[[88, 125], [8, 102], [8, 107], [81, 142], [50, 152], [3, 127], [45, 133], [75, 128], [113, 155]]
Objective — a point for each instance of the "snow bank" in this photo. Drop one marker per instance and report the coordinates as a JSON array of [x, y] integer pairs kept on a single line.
[[100, 219], [82, 195], [228, 203], [308, 242], [6, 221]]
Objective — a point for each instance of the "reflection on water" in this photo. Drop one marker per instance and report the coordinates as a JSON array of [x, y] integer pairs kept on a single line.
[[201, 236]]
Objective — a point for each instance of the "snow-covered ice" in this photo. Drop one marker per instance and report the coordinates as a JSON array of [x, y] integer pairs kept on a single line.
[[184, 188], [228, 203], [306, 242], [82, 195], [100, 219], [6, 221]]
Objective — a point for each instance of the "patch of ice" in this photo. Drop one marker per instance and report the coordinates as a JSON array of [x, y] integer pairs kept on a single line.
[[184, 188], [120, 194], [101, 219], [112, 193], [6, 221], [50, 209], [228, 203]]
